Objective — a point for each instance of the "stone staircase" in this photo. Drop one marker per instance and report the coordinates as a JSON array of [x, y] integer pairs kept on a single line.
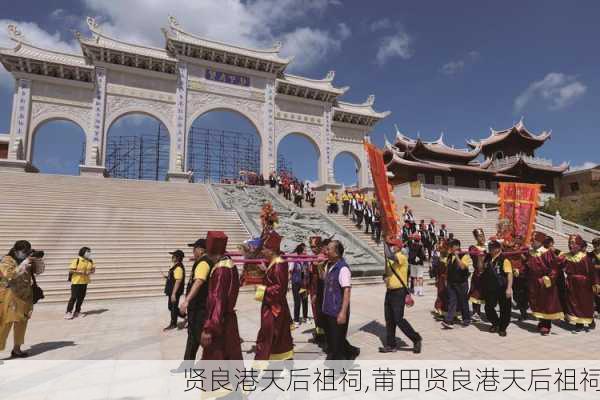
[[460, 223], [130, 226], [349, 225]]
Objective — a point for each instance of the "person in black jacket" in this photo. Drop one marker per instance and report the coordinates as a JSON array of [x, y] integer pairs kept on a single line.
[[416, 257], [458, 285], [497, 282], [174, 286]]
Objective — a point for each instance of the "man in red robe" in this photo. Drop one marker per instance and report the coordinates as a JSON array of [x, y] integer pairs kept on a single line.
[[595, 260], [543, 275], [580, 281], [315, 289], [220, 337], [440, 307], [274, 340]]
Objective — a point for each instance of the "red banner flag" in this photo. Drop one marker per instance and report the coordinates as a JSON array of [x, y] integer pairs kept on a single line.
[[385, 199], [518, 204]]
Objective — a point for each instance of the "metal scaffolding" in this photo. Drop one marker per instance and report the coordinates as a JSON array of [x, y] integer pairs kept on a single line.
[[215, 155], [144, 156]]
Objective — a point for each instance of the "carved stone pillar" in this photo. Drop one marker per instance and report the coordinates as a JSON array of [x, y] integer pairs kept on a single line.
[[19, 128], [177, 171], [94, 151], [268, 164]]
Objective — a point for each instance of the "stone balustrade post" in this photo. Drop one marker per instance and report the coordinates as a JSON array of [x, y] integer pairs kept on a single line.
[[558, 226], [461, 205], [483, 211]]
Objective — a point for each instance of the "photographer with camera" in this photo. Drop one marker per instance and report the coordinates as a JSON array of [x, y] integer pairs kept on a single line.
[[18, 292], [79, 275]]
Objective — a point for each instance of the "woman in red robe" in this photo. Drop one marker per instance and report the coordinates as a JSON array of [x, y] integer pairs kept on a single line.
[[220, 337], [542, 276], [274, 340], [581, 278]]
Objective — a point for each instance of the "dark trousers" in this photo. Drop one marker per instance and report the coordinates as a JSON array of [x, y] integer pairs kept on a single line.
[[520, 295], [345, 206], [394, 317], [174, 309], [77, 296], [497, 296], [299, 300], [377, 231], [338, 347], [195, 325], [359, 218], [367, 225], [457, 301]]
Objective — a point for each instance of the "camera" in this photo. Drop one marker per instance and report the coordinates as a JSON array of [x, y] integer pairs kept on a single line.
[[37, 254]]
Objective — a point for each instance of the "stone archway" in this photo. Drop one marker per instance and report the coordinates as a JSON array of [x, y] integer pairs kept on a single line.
[[137, 145], [358, 164], [222, 130], [315, 145], [66, 158]]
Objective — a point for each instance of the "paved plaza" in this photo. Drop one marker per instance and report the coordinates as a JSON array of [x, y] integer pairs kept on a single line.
[[132, 330]]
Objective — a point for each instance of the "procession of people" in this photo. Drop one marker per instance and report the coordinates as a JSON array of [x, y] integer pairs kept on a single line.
[[474, 284]]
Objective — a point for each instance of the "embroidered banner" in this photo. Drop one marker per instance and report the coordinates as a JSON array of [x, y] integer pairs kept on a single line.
[[518, 204], [383, 191], [224, 77]]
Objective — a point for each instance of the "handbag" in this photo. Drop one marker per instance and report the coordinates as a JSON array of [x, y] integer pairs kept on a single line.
[[38, 293], [409, 301]]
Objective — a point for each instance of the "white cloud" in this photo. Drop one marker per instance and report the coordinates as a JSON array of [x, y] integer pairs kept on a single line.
[[33, 34], [456, 66], [380, 24], [556, 90], [585, 165], [453, 67], [396, 45], [343, 31], [257, 23]]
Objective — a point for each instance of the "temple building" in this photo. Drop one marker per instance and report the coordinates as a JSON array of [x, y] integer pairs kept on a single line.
[[507, 155]]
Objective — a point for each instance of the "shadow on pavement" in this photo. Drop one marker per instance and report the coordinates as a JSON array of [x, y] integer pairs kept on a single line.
[[40, 348], [95, 312], [377, 329]]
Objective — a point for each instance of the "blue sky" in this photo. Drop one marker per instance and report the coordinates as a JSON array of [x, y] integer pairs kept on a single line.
[[456, 67]]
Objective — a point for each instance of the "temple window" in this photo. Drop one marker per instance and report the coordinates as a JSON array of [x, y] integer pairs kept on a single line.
[[451, 181], [574, 187], [494, 185], [438, 180], [421, 178], [498, 155], [482, 184]]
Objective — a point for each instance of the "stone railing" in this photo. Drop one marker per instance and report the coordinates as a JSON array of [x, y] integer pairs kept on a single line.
[[553, 223]]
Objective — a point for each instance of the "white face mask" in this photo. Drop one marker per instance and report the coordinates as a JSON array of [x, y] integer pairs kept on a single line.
[[88, 254]]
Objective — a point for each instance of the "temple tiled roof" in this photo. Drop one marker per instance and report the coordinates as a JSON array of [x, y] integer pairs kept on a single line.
[[436, 147], [507, 164], [518, 129]]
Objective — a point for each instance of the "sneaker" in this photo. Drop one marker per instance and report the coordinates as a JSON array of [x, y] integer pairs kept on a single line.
[[544, 331], [493, 329], [69, 315], [475, 317], [447, 325], [168, 328], [75, 314], [388, 349], [502, 333]]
